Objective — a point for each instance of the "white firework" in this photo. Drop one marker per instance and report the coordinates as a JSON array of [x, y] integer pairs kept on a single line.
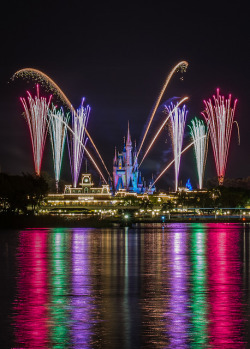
[[199, 136], [58, 130], [76, 150], [177, 126]]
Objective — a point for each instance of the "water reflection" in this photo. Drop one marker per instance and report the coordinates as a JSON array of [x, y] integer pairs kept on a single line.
[[154, 285], [82, 303], [31, 312], [224, 287], [198, 286], [178, 287], [59, 288]]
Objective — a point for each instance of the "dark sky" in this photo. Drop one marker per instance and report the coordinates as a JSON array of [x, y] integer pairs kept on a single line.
[[117, 56]]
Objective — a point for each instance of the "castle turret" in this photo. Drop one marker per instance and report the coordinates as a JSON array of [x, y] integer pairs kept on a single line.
[[140, 183], [135, 160], [124, 150], [151, 187], [129, 160], [130, 186], [125, 168], [115, 158]]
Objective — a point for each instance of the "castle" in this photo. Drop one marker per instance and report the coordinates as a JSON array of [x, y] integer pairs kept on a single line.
[[126, 176]]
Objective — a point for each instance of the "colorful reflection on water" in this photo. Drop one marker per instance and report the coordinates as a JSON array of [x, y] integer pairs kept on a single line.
[[225, 284], [179, 301], [198, 286], [177, 287], [31, 310]]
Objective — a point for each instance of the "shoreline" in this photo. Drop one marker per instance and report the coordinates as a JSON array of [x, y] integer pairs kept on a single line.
[[24, 222]]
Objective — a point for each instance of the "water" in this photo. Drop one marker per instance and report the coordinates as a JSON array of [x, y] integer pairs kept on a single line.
[[185, 286]]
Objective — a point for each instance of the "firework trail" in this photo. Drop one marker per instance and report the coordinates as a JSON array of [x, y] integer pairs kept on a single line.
[[44, 80], [172, 162], [36, 117], [199, 136], [161, 127], [177, 125], [219, 117], [37, 75], [180, 66], [76, 151], [58, 130], [83, 146]]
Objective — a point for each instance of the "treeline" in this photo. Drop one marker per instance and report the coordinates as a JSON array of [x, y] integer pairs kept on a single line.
[[243, 183], [221, 197], [21, 193]]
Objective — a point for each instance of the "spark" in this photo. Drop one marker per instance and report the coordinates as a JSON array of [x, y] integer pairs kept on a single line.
[[44, 80], [219, 117], [76, 151], [238, 130], [177, 125], [37, 75], [180, 66], [197, 131], [58, 132], [171, 163], [83, 146], [36, 117], [161, 127]]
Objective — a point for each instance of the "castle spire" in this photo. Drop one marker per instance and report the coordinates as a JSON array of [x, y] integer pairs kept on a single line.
[[124, 145], [135, 151], [129, 142], [115, 157]]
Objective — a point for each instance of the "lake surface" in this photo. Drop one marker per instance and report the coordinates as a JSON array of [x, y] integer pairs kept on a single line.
[[184, 286]]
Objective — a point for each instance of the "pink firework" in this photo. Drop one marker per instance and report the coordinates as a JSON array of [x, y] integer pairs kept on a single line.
[[219, 116], [36, 117]]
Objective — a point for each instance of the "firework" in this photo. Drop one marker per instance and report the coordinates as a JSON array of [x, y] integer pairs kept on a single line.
[[177, 125], [83, 146], [57, 127], [172, 162], [180, 66], [36, 117], [44, 80], [197, 131], [47, 82], [219, 117], [76, 151], [161, 127]]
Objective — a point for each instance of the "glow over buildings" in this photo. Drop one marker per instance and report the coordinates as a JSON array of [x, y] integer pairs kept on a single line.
[[219, 117]]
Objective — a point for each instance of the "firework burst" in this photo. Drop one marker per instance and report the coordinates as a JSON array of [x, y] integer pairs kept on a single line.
[[199, 136], [76, 150], [177, 125], [172, 162], [50, 85], [160, 129], [36, 117], [58, 130], [219, 117], [181, 66]]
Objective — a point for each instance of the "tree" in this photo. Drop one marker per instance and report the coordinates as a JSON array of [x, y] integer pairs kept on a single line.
[[19, 192]]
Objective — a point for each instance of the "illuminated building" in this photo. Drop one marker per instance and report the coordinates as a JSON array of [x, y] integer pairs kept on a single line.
[[86, 188], [126, 175]]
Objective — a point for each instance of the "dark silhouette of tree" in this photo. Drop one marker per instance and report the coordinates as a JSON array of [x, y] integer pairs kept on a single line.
[[19, 193]]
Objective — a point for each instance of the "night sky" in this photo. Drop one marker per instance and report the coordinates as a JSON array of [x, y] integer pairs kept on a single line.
[[117, 56]]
